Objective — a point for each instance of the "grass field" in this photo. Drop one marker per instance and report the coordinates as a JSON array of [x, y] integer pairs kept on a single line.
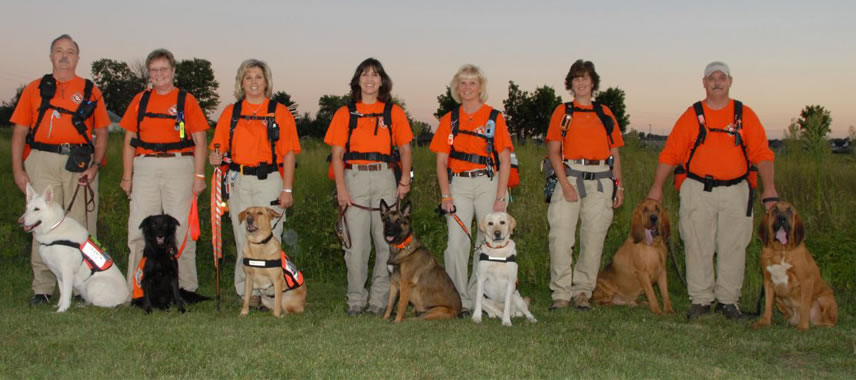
[[612, 342]]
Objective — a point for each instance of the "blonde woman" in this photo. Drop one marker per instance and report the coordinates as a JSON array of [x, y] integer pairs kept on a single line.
[[468, 142]]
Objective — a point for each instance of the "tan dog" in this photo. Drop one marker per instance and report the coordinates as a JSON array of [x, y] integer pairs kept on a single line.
[[639, 262], [281, 284], [496, 272], [415, 273], [791, 276]]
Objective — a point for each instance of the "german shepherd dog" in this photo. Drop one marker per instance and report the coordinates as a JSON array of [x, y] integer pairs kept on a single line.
[[415, 272]]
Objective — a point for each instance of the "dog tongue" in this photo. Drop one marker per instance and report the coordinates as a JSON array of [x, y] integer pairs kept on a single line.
[[390, 238], [649, 236], [782, 236]]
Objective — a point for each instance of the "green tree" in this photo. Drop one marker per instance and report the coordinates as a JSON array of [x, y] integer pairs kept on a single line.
[[8, 107], [117, 82], [284, 98], [613, 98], [515, 114], [528, 114], [196, 77], [327, 107], [446, 103], [540, 108], [814, 124]]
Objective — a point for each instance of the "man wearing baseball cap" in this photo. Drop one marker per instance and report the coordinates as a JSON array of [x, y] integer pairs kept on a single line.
[[716, 149]]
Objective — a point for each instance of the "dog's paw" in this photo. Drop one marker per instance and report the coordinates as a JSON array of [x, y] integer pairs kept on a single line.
[[245, 312], [532, 319], [148, 310], [477, 318], [181, 309], [506, 322]]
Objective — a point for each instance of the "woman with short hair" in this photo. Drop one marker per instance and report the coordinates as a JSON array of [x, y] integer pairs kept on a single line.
[[257, 138], [468, 142], [163, 162], [582, 143]]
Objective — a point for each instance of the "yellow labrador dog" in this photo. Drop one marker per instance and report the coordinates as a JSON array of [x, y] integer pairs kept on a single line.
[[496, 274]]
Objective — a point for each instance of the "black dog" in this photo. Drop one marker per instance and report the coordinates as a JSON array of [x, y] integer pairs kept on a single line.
[[160, 272]]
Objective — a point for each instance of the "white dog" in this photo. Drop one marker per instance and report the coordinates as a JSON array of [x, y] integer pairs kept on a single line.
[[496, 290], [84, 268]]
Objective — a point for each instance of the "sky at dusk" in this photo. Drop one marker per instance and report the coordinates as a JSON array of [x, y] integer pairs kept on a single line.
[[783, 54]]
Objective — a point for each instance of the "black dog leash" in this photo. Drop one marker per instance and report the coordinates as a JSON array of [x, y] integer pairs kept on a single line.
[[343, 232], [88, 200]]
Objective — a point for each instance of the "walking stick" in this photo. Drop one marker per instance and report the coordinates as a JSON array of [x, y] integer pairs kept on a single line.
[[218, 208]]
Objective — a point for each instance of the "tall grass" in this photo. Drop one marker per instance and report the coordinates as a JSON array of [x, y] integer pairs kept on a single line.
[[613, 342]]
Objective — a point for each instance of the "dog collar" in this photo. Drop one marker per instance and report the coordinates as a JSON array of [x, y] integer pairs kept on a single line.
[[500, 247], [404, 243], [57, 223], [509, 259], [266, 240]]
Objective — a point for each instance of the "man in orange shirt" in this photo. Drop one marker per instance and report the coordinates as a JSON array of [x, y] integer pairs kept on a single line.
[[58, 129], [714, 145], [583, 141], [163, 162], [361, 145]]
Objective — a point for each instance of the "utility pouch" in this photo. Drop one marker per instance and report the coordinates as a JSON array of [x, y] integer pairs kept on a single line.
[[549, 188], [78, 158], [262, 171], [547, 168]]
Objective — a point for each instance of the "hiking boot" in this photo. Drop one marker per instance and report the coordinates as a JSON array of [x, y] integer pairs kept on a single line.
[[465, 313], [377, 311], [354, 311], [697, 310], [39, 299], [581, 302], [730, 311], [256, 303], [559, 304]]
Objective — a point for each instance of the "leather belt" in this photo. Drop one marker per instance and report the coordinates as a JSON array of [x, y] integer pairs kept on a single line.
[[166, 154], [369, 167], [583, 161], [471, 173]]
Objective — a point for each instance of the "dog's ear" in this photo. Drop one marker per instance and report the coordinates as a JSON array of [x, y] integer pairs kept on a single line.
[[637, 225], [665, 226], [30, 192], [512, 223], [405, 210], [48, 194], [483, 224], [384, 208], [272, 213], [764, 234], [242, 216], [144, 225], [798, 229], [173, 221]]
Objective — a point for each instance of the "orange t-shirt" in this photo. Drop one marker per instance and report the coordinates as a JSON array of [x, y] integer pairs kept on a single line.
[[366, 138], [586, 137], [718, 156], [56, 127], [470, 144], [251, 145], [160, 130]]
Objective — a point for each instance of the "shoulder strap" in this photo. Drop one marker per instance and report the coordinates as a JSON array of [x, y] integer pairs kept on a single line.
[[47, 90], [387, 120], [236, 114], [352, 124], [179, 105], [605, 120], [272, 130], [702, 132], [141, 108]]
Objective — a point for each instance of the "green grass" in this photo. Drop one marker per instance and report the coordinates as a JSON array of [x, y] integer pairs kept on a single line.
[[612, 342]]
